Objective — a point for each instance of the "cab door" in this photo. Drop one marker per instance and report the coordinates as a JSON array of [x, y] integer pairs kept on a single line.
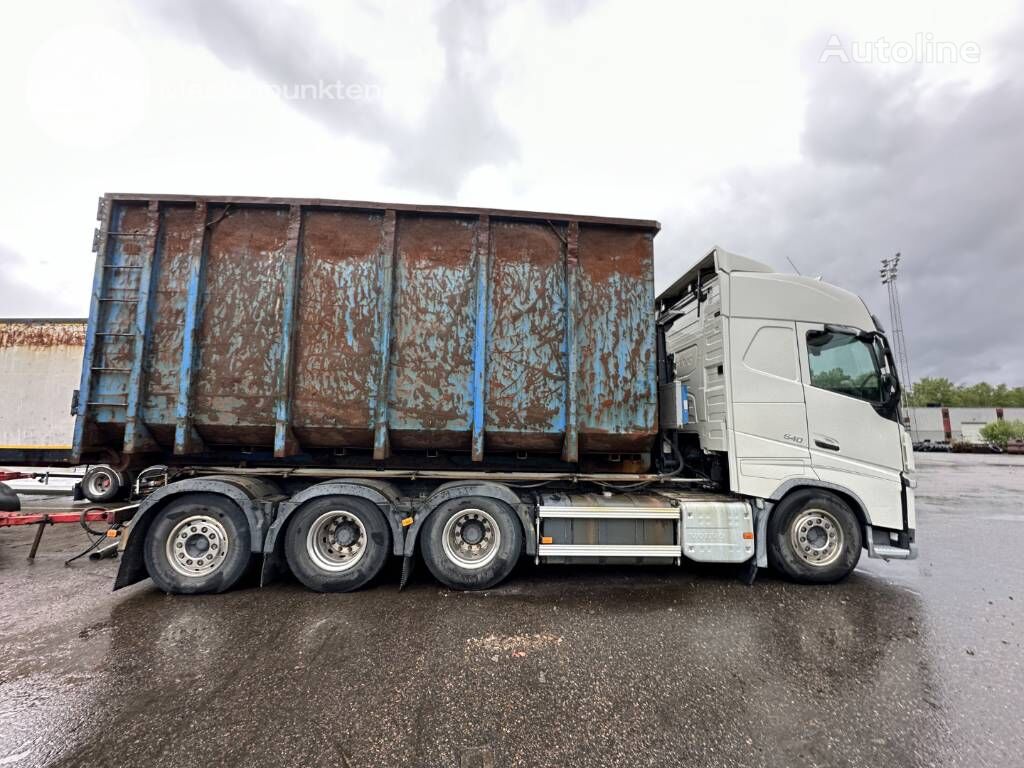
[[852, 445]]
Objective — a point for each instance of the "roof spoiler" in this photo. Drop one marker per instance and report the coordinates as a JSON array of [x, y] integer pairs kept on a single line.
[[717, 260]]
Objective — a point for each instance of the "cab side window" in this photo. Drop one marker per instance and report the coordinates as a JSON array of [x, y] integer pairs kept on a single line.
[[842, 363]]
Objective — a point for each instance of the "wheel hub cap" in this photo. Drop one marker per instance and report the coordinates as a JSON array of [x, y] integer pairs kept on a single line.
[[346, 534]]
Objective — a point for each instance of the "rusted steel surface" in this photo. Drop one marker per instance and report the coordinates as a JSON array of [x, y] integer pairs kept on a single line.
[[18, 332], [369, 205], [614, 339], [240, 329], [307, 325], [526, 381], [337, 329], [432, 357]]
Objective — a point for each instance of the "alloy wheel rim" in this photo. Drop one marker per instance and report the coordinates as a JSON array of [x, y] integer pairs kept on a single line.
[[817, 537], [336, 541], [197, 546], [471, 538]]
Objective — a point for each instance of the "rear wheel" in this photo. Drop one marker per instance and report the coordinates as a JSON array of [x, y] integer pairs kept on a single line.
[[337, 543], [198, 543], [472, 543], [814, 537], [102, 483]]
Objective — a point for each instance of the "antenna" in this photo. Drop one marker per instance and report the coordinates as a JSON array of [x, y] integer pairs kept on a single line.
[[793, 266], [889, 272]]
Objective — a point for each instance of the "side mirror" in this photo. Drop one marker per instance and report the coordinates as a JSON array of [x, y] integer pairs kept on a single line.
[[890, 388]]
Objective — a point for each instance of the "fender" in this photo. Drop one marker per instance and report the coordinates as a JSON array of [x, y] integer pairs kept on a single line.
[[792, 485], [761, 515], [462, 488], [384, 495], [254, 496]]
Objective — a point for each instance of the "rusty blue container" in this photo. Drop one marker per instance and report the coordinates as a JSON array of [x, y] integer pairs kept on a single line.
[[308, 330]]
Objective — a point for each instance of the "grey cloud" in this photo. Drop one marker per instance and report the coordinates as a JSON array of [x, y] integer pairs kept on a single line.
[[283, 45], [889, 166], [566, 10], [841, 130]]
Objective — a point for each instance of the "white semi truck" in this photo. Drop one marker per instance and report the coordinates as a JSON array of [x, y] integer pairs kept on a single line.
[[334, 383]]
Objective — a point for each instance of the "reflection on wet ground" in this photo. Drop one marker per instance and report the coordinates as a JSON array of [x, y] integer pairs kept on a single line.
[[904, 664]]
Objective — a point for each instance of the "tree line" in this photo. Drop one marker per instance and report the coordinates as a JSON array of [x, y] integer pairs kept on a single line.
[[942, 391]]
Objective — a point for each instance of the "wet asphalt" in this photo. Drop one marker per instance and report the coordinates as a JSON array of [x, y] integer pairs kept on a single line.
[[904, 664]]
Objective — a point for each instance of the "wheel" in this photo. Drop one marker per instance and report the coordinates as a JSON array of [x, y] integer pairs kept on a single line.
[[814, 537], [102, 483], [472, 543], [337, 543], [9, 501], [198, 543]]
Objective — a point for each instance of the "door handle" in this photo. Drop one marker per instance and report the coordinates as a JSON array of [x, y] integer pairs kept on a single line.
[[827, 443]]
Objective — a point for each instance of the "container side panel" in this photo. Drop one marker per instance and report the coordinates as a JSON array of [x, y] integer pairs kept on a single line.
[[526, 335], [615, 332], [432, 354], [338, 333], [160, 370], [115, 343], [240, 330]]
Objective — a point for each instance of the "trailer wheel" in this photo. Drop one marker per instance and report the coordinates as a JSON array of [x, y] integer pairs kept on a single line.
[[472, 542], [337, 543], [198, 543], [814, 537], [102, 483]]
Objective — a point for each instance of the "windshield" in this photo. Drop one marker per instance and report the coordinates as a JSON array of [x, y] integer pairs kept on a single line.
[[843, 363]]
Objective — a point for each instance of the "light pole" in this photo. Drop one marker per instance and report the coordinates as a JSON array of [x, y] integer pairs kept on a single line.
[[889, 272]]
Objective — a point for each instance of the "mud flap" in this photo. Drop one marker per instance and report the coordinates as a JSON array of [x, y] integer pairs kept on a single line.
[[748, 572], [408, 561], [9, 501], [273, 565]]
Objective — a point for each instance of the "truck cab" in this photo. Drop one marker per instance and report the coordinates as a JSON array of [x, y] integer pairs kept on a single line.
[[790, 394]]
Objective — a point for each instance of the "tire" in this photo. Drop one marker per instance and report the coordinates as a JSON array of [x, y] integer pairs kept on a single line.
[[337, 543], [448, 542], [102, 483], [814, 537], [200, 523], [9, 501]]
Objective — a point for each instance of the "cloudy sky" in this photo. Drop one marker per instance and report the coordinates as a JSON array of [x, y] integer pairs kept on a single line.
[[787, 131]]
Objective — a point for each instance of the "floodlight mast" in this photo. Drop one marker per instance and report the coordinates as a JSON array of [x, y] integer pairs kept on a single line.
[[889, 272]]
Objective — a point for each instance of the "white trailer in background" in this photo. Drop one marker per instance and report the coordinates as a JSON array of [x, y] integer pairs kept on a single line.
[[40, 365], [40, 368]]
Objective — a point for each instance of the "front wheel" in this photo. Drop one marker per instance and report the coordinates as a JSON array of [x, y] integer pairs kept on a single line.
[[472, 543], [814, 537]]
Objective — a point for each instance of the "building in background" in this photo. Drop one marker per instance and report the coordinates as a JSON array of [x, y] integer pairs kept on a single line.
[[955, 425]]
